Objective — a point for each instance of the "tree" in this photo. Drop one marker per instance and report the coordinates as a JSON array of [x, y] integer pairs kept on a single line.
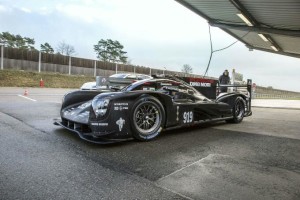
[[65, 49], [110, 51], [16, 41], [46, 48], [187, 69], [129, 61]]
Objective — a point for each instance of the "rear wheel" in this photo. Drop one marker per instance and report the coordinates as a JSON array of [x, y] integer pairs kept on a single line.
[[238, 111], [148, 116]]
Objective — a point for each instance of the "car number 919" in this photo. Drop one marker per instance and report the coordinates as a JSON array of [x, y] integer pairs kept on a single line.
[[187, 117]]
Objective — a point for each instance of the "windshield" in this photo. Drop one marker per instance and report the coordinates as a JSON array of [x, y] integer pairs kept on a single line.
[[129, 87]]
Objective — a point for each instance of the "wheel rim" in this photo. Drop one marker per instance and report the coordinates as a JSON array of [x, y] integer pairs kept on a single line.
[[239, 110], [147, 118]]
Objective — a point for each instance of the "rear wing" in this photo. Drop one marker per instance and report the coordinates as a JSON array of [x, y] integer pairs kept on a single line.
[[207, 87], [211, 87], [236, 87]]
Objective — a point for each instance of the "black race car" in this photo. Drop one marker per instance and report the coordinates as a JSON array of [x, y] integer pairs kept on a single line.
[[143, 109]]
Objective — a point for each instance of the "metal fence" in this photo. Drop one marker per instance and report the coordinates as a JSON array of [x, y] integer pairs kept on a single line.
[[275, 96], [13, 58], [270, 93]]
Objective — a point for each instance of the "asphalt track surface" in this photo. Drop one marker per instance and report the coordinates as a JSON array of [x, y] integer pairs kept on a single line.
[[257, 159]]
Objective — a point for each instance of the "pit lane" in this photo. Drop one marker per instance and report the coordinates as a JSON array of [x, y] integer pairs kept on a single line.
[[257, 159]]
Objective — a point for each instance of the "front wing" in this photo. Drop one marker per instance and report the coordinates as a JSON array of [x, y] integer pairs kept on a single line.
[[88, 136]]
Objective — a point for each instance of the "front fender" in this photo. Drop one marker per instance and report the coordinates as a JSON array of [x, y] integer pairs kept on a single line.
[[78, 96]]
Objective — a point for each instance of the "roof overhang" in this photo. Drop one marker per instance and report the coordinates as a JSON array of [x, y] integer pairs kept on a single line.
[[267, 25]]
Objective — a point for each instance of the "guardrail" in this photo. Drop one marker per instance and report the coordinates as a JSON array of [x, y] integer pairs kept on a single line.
[[274, 96]]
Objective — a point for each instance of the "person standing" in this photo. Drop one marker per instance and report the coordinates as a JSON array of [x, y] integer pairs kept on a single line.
[[224, 80]]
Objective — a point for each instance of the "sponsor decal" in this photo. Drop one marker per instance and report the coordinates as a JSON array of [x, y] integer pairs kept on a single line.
[[99, 124], [201, 80], [171, 88], [188, 117], [120, 123], [201, 84], [120, 106], [149, 88], [103, 80]]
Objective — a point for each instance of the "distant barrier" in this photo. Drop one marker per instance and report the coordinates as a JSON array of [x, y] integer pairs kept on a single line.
[[18, 59], [275, 96], [32, 60], [270, 93]]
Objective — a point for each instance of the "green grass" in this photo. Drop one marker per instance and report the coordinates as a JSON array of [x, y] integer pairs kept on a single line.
[[19, 78]]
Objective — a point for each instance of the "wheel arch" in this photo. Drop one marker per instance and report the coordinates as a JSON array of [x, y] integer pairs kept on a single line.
[[230, 98], [137, 131], [165, 101]]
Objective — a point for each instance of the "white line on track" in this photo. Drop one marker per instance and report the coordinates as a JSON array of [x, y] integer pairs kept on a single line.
[[26, 98], [182, 168]]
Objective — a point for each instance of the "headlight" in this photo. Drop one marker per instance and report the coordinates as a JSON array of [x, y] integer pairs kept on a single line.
[[100, 106]]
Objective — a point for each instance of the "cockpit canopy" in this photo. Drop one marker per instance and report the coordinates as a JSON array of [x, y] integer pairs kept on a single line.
[[177, 90]]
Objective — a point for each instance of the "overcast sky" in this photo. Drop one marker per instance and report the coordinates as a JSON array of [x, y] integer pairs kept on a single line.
[[155, 33]]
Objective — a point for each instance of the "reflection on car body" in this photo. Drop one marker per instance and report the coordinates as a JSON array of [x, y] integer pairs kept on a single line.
[[144, 108]]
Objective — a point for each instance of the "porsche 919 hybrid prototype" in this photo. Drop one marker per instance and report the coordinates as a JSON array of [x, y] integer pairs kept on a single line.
[[143, 109]]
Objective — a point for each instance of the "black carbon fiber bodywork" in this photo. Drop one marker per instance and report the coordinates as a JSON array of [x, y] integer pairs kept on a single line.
[[183, 106]]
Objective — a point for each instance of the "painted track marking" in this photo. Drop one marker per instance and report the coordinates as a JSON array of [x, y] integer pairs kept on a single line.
[[178, 170], [26, 97]]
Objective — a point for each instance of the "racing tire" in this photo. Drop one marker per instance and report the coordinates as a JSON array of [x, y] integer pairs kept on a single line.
[[148, 117], [238, 111]]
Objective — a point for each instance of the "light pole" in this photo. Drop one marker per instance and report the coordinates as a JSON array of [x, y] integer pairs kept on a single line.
[[2, 55], [164, 71], [40, 59]]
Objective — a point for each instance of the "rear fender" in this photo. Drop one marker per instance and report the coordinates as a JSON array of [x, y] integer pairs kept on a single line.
[[230, 98]]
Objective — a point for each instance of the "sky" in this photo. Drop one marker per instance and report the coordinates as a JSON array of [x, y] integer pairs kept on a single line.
[[155, 33]]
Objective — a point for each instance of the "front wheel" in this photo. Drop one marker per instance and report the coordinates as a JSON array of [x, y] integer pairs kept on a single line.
[[238, 111], [148, 116]]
